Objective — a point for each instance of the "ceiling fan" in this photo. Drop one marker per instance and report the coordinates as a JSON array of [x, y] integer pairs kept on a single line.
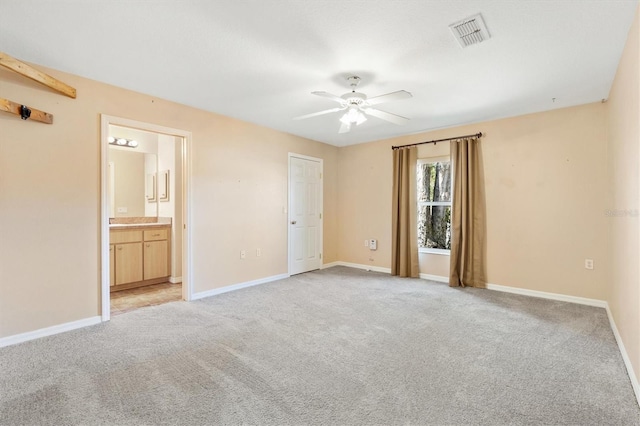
[[356, 105]]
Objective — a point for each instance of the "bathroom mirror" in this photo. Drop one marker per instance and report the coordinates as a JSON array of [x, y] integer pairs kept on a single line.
[[132, 183]]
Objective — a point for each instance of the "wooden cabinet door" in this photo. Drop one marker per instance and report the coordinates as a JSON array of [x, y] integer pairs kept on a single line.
[[112, 265], [156, 259], [128, 263]]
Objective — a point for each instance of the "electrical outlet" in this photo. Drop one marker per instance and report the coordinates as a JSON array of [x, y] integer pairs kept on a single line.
[[588, 263], [243, 254], [366, 243], [258, 252]]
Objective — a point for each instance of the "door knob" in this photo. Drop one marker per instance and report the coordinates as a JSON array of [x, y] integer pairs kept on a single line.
[[293, 222]]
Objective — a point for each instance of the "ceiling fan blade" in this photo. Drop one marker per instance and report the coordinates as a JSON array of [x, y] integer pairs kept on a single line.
[[393, 96], [330, 96], [315, 114], [344, 128], [393, 118]]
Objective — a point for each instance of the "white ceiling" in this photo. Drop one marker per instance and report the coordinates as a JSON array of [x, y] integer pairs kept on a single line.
[[259, 60]]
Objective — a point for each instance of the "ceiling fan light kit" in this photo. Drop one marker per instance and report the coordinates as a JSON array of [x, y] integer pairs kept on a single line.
[[353, 116], [358, 104]]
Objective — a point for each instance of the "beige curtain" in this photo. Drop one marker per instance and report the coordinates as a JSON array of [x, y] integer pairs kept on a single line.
[[404, 235], [467, 267]]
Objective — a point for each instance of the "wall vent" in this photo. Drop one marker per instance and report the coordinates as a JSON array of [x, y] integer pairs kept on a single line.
[[470, 31]]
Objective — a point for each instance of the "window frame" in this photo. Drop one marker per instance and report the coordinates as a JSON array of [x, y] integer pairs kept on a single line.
[[427, 160]]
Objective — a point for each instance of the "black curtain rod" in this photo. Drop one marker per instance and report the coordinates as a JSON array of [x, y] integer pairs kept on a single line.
[[478, 135]]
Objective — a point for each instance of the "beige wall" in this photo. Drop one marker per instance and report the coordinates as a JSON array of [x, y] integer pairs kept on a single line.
[[546, 187], [623, 113], [50, 198]]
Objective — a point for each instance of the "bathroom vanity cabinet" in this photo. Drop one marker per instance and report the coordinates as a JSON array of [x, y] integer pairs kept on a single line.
[[139, 255]]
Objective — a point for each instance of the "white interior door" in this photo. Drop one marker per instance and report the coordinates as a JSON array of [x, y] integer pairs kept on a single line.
[[305, 214]]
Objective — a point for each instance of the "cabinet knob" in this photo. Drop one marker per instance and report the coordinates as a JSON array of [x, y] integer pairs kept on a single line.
[[148, 245], [293, 222], [119, 248]]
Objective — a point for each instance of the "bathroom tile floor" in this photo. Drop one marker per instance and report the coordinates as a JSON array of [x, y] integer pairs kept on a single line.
[[128, 300]]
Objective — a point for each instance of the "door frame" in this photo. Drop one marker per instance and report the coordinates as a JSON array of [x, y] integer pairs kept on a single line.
[[187, 284], [321, 207]]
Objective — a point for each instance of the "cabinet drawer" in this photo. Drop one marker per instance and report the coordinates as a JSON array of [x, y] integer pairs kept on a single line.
[[128, 236], [155, 234]]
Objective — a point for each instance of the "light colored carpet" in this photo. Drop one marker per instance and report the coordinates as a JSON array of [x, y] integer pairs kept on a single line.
[[333, 347]]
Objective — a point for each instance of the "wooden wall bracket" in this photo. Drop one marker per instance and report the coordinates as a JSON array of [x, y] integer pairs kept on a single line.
[[28, 71], [25, 112]]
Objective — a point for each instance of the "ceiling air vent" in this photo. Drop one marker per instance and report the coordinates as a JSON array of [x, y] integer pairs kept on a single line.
[[470, 31]]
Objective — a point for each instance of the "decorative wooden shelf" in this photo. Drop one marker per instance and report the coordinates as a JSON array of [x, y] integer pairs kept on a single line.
[[19, 110], [28, 71]]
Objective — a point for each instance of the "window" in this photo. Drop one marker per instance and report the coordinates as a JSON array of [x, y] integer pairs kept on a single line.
[[434, 205]]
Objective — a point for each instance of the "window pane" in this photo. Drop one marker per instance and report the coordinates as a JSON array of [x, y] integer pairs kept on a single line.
[[434, 227], [423, 175], [434, 181]]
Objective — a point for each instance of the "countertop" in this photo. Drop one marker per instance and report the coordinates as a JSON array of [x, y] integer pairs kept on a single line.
[[139, 225]]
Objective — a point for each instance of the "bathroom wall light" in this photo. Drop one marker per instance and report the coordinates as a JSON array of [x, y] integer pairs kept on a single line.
[[128, 143]]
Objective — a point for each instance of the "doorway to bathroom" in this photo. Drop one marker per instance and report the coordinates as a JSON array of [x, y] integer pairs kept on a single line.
[[144, 215]]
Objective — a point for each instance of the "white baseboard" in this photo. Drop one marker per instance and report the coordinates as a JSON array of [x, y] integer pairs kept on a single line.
[[48, 331], [526, 292], [330, 265], [175, 280], [495, 287], [383, 270], [551, 296], [625, 357], [359, 266], [238, 286], [438, 278]]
